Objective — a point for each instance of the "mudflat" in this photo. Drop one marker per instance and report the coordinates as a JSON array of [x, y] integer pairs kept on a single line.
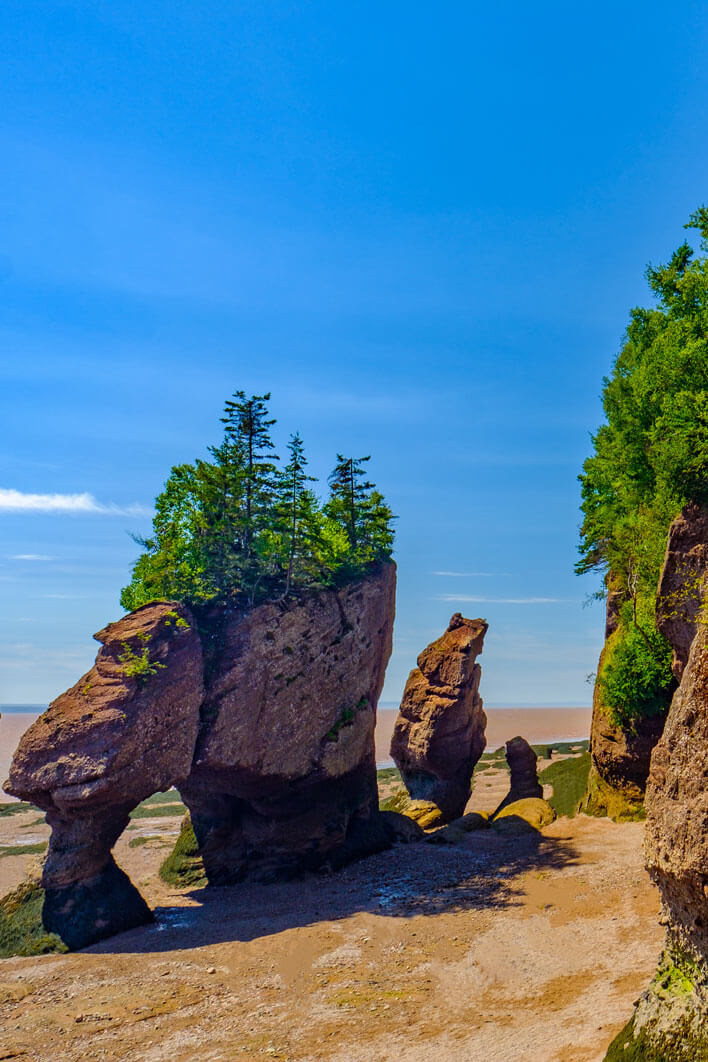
[[530, 947], [537, 725]]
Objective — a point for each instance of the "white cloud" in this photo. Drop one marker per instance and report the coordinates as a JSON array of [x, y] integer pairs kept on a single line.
[[16, 501], [31, 557], [471, 575], [503, 600]]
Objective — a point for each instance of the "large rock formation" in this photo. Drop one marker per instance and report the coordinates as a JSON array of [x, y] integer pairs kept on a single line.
[[440, 731], [284, 770], [619, 756], [671, 1018], [273, 752], [124, 731]]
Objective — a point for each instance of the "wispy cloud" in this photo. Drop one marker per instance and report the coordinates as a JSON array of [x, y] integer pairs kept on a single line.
[[16, 501], [502, 600], [471, 575], [31, 557]]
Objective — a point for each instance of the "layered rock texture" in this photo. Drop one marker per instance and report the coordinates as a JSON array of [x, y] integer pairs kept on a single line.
[[671, 1020], [440, 731], [619, 756], [125, 730], [264, 720], [681, 586]]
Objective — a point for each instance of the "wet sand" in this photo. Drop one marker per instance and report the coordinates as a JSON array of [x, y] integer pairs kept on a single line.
[[12, 727]]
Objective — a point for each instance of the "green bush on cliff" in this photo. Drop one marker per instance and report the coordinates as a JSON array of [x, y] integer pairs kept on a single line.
[[636, 680], [240, 524], [649, 458]]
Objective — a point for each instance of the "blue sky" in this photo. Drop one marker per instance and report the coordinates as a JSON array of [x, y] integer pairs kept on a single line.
[[420, 226]]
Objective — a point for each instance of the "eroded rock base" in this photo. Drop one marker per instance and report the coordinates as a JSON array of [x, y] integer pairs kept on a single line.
[[671, 1017], [88, 911], [603, 800]]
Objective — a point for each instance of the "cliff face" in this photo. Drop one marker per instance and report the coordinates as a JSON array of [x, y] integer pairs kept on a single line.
[[680, 595], [273, 753], [440, 731], [671, 1019], [620, 757]]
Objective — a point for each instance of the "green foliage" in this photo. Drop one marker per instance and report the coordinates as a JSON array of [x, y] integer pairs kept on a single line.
[[138, 665], [240, 527], [636, 680], [569, 778], [649, 458], [22, 930], [651, 455]]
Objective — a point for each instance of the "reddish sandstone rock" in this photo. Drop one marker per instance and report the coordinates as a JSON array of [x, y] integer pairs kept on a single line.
[[284, 773], [100, 748], [273, 752], [681, 586], [677, 804], [440, 731], [115, 737]]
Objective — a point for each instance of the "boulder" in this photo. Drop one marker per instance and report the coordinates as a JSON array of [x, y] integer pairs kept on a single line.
[[522, 815], [284, 768], [440, 730], [681, 585], [523, 782], [125, 730]]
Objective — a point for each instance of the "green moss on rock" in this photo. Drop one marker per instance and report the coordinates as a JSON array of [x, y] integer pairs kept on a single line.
[[679, 1044], [670, 1023], [22, 931], [183, 867], [603, 800]]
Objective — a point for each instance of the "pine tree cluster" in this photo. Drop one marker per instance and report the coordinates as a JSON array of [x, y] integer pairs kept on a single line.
[[243, 527]]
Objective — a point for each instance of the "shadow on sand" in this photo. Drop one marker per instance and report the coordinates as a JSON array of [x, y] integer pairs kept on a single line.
[[482, 873]]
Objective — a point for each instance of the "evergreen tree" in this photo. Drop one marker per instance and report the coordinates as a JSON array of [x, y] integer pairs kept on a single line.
[[297, 513], [238, 527], [649, 458], [349, 493], [247, 433]]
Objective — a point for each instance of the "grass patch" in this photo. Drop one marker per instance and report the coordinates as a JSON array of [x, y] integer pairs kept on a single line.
[[387, 775], [157, 811], [569, 779], [22, 931], [137, 842], [398, 801], [170, 797], [183, 867], [16, 807], [41, 821], [22, 849]]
